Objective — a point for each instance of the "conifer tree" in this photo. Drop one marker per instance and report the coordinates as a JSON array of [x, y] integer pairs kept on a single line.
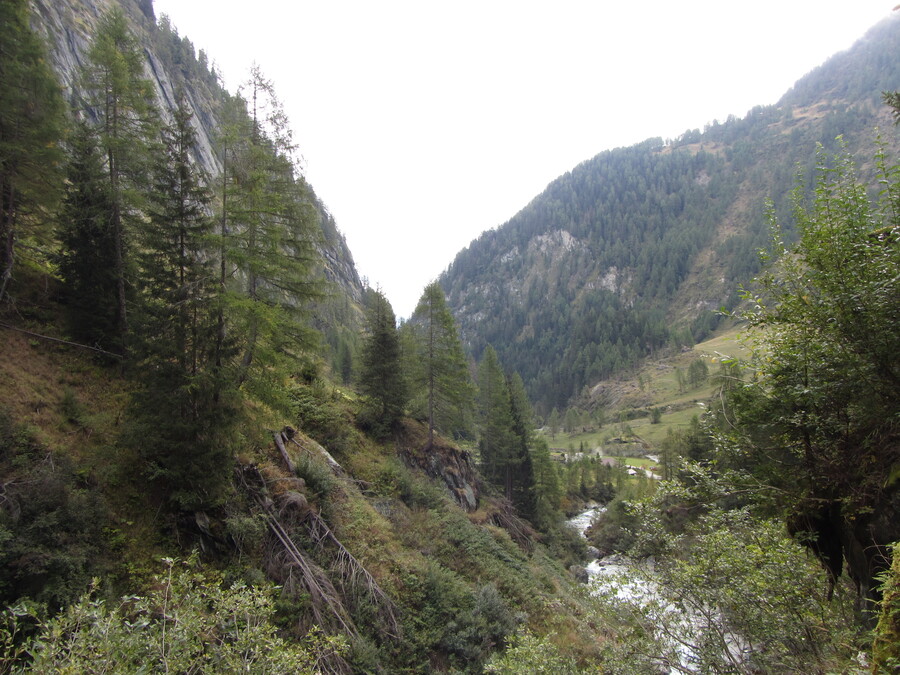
[[505, 436], [523, 484], [269, 239], [547, 487], [554, 422], [87, 248], [177, 272], [496, 437], [440, 378], [184, 405], [381, 376], [31, 120], [122, 101]]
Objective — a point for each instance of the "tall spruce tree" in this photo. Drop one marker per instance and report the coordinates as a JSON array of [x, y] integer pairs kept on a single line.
[[547, 487], [381, 376], [122, 100], [87, 248], [505, 436], [184, 405], [439, 375], [496, 439], [31, 121], [523, 483], [177, 270]]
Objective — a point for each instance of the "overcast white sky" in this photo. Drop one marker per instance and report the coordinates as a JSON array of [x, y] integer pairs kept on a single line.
[[424, 123]]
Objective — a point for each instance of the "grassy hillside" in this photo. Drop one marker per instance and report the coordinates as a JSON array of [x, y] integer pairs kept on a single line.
[[625, 405], [417, 583]]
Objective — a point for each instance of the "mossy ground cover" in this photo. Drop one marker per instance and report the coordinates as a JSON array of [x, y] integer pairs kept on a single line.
[[462, 584]]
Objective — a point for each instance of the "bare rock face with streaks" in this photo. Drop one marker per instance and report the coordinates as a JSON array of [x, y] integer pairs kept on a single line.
[[67, 27]]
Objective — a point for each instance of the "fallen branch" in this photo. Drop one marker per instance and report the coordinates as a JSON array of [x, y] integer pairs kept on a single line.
[[520, 531], [61, 341], [352, 572], [279, 443], [325, 600], [322, 593]]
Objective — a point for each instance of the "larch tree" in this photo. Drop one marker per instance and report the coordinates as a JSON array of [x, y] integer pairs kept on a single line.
[[31, 124], [439, 373], [122, 100], [269, 243]]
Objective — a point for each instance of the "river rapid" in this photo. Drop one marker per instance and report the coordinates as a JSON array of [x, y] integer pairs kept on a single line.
[[609, 571], [631, 588]]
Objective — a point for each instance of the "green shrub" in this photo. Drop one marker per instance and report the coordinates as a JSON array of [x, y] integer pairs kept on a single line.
[[886, 645], [73, 410], [318, 475], [189, 622], [323, 415], [51, 523], [530, 654], [454, 622]]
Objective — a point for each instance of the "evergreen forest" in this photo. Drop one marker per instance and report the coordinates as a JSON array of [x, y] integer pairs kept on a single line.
[[222, 452], [637, 249]]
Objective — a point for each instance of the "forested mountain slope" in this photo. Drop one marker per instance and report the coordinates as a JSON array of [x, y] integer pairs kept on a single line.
[[174, 67], [634, 249]]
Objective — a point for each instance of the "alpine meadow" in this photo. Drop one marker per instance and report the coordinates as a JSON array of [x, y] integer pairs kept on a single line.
[[650, 424]]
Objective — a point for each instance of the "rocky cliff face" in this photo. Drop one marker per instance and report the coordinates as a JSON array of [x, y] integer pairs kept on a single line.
[[68, 27]]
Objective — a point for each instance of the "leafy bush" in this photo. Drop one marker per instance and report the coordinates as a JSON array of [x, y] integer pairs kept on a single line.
[[451, 621], [188, 623], [729, 592], [531, 654]]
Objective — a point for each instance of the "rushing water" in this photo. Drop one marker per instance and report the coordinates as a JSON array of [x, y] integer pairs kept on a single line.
[[632, 586], [614, 571], [583, 520]]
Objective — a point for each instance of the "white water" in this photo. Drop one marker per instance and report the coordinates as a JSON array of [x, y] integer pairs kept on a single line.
[[583, 520], [632, 584]]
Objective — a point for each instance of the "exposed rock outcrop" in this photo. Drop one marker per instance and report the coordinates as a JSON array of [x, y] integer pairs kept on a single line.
[[443, 461]]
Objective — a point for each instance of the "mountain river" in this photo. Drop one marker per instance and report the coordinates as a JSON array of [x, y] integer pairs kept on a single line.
[[631, 586]]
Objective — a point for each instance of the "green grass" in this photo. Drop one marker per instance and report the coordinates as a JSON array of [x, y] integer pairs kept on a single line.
[[642, 462], [656, 385], [655, 433]]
